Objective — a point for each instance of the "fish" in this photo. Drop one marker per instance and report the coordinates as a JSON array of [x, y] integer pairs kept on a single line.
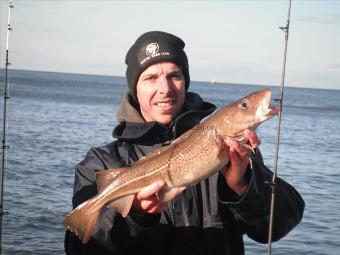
[[192, 157]]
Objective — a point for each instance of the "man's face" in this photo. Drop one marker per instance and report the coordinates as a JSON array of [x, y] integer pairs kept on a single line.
[[161, 92]]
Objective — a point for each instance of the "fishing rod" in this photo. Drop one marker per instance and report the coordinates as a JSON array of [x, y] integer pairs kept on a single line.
[[5, 147], [278, 131]]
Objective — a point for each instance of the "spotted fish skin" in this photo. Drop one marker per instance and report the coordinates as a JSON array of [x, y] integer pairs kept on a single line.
[[191, 158]]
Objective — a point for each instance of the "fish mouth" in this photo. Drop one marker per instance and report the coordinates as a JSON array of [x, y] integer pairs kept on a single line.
[[264, 112], [266, 109], [272, 111]]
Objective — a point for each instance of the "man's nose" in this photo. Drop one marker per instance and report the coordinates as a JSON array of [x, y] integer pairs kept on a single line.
[[164, 85]]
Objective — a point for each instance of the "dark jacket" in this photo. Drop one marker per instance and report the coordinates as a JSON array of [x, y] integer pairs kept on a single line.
[[208, 218]]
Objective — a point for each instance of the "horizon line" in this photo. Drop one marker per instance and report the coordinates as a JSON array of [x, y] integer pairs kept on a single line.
[[215, 82]]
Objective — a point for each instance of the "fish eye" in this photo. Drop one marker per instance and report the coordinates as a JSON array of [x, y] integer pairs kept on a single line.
[[244, 104]]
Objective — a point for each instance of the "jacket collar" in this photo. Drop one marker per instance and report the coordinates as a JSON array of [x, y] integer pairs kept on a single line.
[[132, 126]]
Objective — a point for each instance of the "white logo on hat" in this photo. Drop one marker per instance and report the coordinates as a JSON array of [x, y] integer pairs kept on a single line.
[[152, 49]]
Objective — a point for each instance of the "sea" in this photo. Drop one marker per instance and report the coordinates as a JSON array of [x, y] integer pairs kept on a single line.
[[55, 118]]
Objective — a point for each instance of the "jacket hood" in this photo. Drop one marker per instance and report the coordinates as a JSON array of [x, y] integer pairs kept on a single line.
[[133, 127], [129, 110]]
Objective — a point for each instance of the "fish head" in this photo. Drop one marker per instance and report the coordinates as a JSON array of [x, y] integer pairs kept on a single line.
[[246, 113]]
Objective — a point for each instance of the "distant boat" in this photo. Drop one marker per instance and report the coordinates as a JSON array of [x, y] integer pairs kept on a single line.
[[213, 81]]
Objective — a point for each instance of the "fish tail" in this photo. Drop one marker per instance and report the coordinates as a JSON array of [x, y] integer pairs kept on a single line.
[[82, 220]]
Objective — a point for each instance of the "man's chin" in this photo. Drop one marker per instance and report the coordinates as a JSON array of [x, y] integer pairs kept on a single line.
[[165, 119]]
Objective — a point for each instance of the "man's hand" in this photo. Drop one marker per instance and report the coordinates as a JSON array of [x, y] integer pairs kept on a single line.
[[239, 161], [146, 199]]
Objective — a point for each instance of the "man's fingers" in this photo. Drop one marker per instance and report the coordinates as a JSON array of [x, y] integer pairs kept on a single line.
[[157, 208], [150, 190], [146, 199], [254, 140], [148, 204], [236, 147], [152, 205], [234, 157]]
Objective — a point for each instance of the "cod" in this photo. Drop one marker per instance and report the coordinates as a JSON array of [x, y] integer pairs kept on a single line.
[[194, 156]]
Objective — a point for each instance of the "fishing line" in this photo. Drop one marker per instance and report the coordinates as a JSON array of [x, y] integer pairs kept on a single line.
[[5, 147], [278, 131]]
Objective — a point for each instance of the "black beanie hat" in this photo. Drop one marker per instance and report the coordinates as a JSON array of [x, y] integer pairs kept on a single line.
[[150, 48]]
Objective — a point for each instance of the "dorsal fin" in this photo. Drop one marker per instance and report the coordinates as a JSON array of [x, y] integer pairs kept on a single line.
[[165, 148], [105, 177], [183, 136], [151, 155]]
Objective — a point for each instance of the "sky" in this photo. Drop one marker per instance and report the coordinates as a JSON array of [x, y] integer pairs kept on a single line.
[[229, 41]]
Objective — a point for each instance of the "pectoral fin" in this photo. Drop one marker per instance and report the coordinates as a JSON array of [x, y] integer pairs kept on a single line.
[[168, 193], [122, 205]]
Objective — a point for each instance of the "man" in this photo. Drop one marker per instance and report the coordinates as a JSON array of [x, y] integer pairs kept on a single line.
[[208, 218]]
